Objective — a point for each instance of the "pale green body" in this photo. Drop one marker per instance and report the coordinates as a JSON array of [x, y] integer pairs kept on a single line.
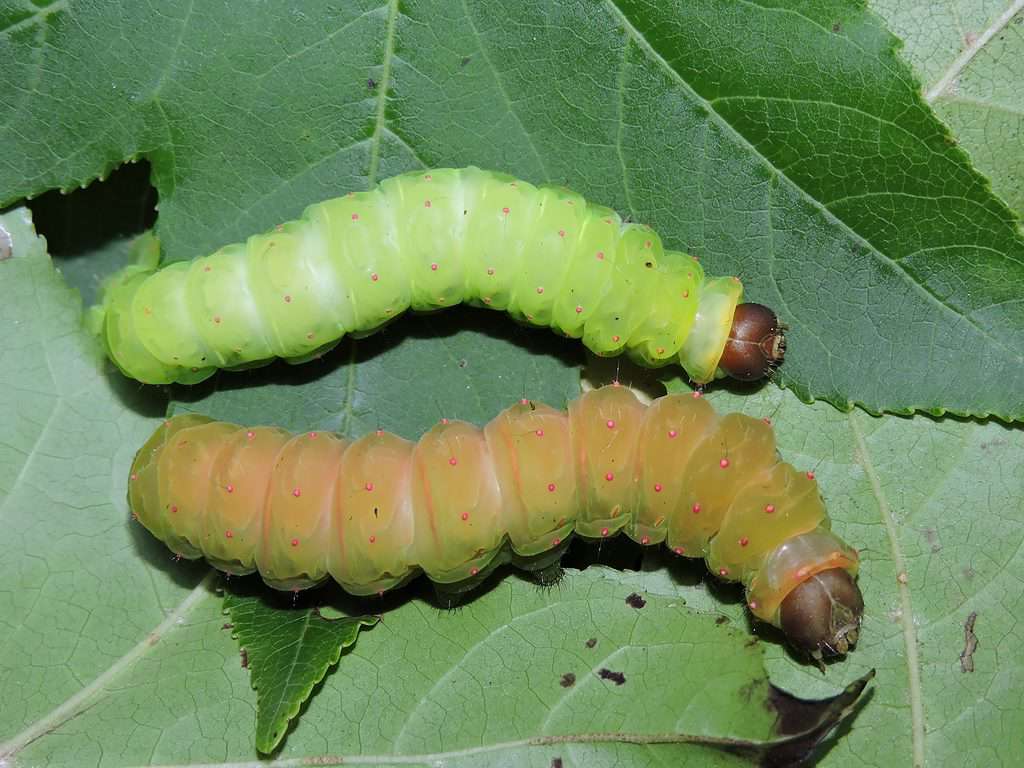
[[424, 240]]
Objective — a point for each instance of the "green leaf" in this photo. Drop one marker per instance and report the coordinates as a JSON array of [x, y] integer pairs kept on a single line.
[[786, 143], [970, 58], [288, 651], [112, 653]]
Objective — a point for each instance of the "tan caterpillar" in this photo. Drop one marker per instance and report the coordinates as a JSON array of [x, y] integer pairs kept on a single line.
[[373, 512]]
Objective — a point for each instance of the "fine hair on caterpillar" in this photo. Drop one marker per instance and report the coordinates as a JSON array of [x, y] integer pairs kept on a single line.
[[373, 512], [426, 241]]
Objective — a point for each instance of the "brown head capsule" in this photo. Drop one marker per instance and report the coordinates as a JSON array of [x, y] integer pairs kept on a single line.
[[822, 615], [756, 345]]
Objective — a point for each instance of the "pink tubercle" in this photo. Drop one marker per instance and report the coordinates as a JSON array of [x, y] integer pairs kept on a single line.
[[695, 509], [250, 435], [474, 571], [604, 531], [673, 433], [657, 487], [539, 433], [380, 433], [295, 542], [600, 255], [433, 266], [174, 509], [679, 550], [579, 309], [767, 421], [368, 486], [724, 463], [444, 421], [610, 424], [134, 476], [616, 338], [506, 211], [355, 217], [229, 488], [375, 277], [453, 461], [524, 401], [810, 475], [229, 534], [296, 492], [753, 605], [609, 476], [551, 487], [464, 515], [373, 539], [555, 542], [723, 572], [769, 508], [744, 541], [540, 289], [313, 435], [645, 540], [561, 233], [696, 393]]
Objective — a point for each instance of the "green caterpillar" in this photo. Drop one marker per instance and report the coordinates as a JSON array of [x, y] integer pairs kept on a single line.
[[428, 240], [371, 513]]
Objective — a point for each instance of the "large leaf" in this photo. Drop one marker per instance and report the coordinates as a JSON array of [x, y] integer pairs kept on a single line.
[[970, 58], [783, 142], [114, 654]]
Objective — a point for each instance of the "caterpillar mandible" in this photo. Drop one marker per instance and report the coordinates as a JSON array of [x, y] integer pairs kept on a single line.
[[372, 513], [429, 240]]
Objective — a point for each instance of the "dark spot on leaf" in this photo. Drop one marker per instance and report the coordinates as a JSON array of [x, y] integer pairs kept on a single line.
[[463, 363], [649, 264], [837, 27], [635, 601], [371, 83], [970, 644], [568, 680], [228, 626], [721, 620], [616, 677], [466, 60], [591, 642], [556, 762], [245, 658], [376, 510]]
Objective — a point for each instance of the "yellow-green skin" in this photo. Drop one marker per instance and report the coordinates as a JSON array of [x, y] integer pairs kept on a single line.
[[373, 512], [424, 240]]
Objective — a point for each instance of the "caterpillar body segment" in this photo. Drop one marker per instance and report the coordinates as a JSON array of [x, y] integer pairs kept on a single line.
[[373, 512], [429, 240]]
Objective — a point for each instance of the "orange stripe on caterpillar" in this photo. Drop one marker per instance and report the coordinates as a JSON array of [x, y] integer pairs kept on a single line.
[[371, 513]]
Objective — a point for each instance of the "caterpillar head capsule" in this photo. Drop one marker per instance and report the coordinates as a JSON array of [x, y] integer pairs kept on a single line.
[[756, 345], [822, 615]]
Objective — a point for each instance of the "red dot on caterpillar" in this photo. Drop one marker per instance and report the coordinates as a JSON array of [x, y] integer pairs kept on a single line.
[[433, 267], [696, 509], [368, 486], [744, 541], [579, 309], [444, 421], [672, 433], [600, 255], [174, 508], [229, 488], [524, 401], [250, 435], [657, 487], [539, 433], [474, 571], [379, 433], [561, 233], [505, 211], [616, 338], [645, 540], [724, 463], [453, 461], [605, 531], [229, 534], [609, 476], [355, 217], [610, 424], [134, 476], [375, 277], [753, 605], [767, 421], [551, 487], [679, 550], [296, 492], [697, 393], [295, 542], [555, 542], [373, 539], [769, 508], [465, 515], [723, 572], [540, 289]]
